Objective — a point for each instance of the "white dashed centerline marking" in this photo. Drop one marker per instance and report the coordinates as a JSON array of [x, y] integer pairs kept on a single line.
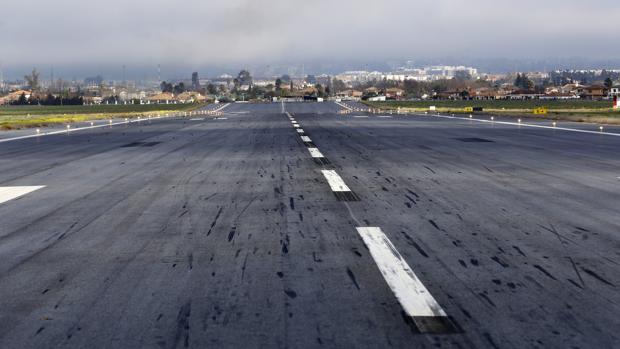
[[306, 139], [315, 153], [300, 130], [413, 296], [10, 193], [334, 181]]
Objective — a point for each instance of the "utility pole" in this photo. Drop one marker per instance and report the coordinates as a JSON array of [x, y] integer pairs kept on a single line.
[[52, 80]]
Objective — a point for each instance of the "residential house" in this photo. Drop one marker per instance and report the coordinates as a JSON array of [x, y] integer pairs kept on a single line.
[[161, 98], [190, 97], [349, 94], [524, 94], [394, 93], [595, 92], [14, 96]]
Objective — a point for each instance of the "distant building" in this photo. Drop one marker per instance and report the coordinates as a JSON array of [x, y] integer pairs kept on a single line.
[[595, 92], [394, 93], [161, 98], [14, 96], [524, 94], [190, 97], [349, 94]]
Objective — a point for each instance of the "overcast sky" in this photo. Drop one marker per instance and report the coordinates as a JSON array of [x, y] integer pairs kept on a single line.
[[149, 32]]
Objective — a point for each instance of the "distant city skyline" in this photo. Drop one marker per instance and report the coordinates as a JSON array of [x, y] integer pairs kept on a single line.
[[168, 72], [83, 38]]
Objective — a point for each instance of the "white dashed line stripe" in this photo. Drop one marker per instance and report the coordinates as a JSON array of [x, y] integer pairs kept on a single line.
[[417, 302], [335, 182], [315, 153], [296, 126], [300, 130], [10, 193], [306, 139], [528, 125], [360, 116], [409, 290]]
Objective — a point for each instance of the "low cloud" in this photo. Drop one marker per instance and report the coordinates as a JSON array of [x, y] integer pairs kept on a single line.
[[241, 31]]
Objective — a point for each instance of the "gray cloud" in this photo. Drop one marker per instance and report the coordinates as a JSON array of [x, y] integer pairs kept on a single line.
[[240, 31]]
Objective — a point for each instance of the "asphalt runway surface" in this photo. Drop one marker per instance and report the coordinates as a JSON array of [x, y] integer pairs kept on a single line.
[[293, 226]]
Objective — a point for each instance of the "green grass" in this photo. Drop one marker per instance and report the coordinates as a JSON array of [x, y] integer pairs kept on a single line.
[[12, 117], [599, 112], [89, 109], [497, 104]]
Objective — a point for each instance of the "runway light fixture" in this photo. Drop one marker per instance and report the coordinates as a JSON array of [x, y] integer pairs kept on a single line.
[[554, 124], [470, 116], [92, 123], [492, 118], [601, 128], [519, 120], [38, 131]]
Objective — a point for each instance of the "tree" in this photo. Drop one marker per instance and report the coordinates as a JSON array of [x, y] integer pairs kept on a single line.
[[211, 89], [278, 84], [166, 87], [320, 91], [523, 82], [244, 78], [609, 83], [462, 75], [22, 99], [339, 85], [180, 88], [33, 80]]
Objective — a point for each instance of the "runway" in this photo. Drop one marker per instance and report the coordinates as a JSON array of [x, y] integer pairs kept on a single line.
[[293, 226]]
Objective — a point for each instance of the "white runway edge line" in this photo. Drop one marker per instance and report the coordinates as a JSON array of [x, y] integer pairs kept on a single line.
[[417, 302], [344, 106], [10, 193], [315, 153], [527, 125], [220, 108], [71, 130]]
